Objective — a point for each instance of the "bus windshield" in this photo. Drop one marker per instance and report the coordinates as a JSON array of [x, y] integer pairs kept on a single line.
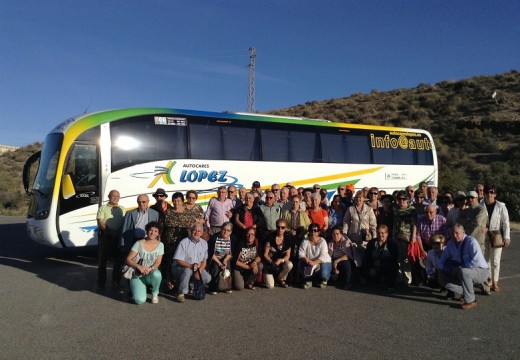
[[46, 175]]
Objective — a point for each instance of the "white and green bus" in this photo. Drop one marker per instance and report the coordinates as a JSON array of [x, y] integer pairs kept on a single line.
[[138, 150]]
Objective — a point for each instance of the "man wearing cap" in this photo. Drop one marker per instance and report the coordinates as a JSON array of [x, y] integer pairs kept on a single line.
[[474, 219], [110, 219], [464, 266], [161, 204], [348, 197]]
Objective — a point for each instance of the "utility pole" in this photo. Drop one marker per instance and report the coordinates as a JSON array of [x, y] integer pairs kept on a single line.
[[251, 93]]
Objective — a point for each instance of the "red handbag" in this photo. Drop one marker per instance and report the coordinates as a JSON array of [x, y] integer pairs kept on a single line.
[[414, 252]]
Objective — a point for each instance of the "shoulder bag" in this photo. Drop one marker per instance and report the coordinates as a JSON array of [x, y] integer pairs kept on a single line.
[[128, 271], [496, 239]]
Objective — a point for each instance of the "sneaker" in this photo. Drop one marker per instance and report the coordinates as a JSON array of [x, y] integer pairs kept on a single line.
[[228, 291], [180, 298], [213, 293], [307, 285], [486, 288], [155, 298], [323, 284]]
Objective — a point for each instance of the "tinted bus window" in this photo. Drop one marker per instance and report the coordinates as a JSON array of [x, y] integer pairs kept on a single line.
[[286, 145], [140, 140], [345, 148]]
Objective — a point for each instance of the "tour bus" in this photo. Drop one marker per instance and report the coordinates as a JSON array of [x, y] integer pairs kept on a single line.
[[136, 151]]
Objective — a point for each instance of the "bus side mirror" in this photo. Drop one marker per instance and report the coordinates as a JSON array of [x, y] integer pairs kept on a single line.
[[67, 187]]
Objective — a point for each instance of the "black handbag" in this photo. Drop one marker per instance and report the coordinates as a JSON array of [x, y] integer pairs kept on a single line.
[[199, 290]]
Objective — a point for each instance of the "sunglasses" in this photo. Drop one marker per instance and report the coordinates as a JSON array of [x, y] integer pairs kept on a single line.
[[490, 192], [402, 199], [373, 193], [280, 227], [160, 195], [315, 230]]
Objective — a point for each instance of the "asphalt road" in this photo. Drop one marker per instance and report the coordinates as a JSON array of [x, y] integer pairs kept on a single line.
[[49, 309]]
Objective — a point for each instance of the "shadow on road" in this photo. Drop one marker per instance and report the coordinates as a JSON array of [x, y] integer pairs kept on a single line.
[[72, 269]]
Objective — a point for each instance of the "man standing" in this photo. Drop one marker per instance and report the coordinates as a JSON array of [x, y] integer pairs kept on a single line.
[[190, 260], [474, 219], [219, 210], [110, 218], [464, 265], [135, 223], [233, 196], [284, 196], [272, 212]]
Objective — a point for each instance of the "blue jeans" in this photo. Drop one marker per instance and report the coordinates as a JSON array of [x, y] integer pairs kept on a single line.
[[182, 277], [324, 271]]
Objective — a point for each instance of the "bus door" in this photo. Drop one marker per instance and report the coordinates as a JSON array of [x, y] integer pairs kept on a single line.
[[79, 198]]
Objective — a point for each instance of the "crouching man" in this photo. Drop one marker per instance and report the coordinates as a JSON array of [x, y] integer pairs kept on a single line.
[[190, 261], [464, 265]]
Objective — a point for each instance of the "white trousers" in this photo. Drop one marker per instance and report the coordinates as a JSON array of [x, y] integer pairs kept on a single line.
[[493, 256]]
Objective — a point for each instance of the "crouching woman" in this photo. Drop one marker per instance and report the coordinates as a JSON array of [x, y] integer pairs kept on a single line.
[[146, 271]]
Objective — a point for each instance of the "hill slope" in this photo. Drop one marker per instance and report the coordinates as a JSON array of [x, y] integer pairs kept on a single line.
[[475, 124]]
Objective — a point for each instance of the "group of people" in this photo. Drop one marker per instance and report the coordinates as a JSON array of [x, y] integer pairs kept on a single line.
[[300, 236]]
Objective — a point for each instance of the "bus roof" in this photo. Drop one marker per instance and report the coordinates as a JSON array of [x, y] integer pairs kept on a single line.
[[86, 121]]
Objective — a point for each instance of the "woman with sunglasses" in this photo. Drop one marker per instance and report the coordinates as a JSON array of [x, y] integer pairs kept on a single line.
[[314, 258], [277, 254], [498, 220], [248, 262], [404, 232], [192, 208]]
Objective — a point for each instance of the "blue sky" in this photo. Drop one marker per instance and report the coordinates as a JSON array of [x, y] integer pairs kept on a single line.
[[59, 58]]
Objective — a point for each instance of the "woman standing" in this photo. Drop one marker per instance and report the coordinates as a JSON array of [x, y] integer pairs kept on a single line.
[[498, 222], [146, 273], [194, 210], [404, 233], [247, 216], [177, 222], [317, 215], [314, 258], [359, 223], [277, 254]]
